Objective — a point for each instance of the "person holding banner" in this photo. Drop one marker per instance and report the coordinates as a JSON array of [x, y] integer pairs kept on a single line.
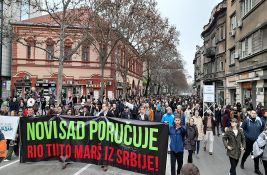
[[105, 111], [142, 115], [30, 110], [177, 134], [2, 146]]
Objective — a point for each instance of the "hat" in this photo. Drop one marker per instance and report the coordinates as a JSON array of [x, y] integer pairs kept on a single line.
[[30, 102]]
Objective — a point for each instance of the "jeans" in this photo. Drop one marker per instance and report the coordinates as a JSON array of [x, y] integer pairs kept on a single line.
[[179, 158], [249, 148], [190, 156], [233, 163], [265, 166], [198, 146], [209, 138]]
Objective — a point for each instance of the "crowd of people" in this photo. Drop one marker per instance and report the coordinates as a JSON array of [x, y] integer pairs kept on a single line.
[[189, 122]]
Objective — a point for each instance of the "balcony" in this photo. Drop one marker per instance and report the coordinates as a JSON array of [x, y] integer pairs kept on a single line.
[[211, 52]]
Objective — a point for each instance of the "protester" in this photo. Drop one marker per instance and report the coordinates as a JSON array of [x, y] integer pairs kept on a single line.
[[43, 105], [142, 115], [158, 114], [264, 118], [200, 128], [188, 114], [191, 137], [209, 131], [243, 115], [252, 127], [115, 110], [218, 119], [149, 112], [13, 106], [126, 114], [177, 133], [168, 117], [2, 146], [180, 113], [262, 140], [234, 142], [105, 112], [226, 120]]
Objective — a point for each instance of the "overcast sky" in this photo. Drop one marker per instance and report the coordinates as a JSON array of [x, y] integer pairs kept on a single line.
[[189, 16]]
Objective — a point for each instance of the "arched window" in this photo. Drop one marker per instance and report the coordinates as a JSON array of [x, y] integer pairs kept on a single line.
[[50, 48], [85, 52], [68, 49], [30, 42]]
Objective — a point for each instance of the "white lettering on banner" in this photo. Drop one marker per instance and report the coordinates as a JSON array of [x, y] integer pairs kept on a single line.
[[9, 126]]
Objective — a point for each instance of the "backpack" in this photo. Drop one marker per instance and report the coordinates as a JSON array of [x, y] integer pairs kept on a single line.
[[257, 151]]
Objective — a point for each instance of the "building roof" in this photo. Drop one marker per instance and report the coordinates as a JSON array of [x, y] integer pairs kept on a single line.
[[219, 9]]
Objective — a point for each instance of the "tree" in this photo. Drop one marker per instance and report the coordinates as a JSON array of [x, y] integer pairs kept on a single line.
[[63, 20], [121, 22]]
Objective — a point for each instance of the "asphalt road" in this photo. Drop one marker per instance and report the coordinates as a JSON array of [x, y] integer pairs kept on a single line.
[[216, 164]]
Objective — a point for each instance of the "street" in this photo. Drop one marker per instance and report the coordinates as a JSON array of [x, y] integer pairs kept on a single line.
[[217, 164]]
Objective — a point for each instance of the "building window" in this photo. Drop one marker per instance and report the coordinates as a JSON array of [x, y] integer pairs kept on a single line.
[[67, 52], [232, 56], [221, 66], [213, 42], [50, 52], [233, 22], [253, 44], [248, 5], [221, 33], [29, 51], [85, 53]]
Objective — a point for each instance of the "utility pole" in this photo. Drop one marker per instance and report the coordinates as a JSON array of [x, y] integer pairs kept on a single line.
[[1, 42]]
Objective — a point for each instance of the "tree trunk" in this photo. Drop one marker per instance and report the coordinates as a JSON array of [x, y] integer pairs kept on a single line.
[[147, 85], [158, 91], [124, 75], [124, 88], [102, 88], [60, 64], [59, 82]]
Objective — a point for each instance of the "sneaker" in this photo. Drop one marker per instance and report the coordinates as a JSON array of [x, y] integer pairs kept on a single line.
[[204, 148], [242, 166], [6, 160], [210, 153], [258, 172]]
